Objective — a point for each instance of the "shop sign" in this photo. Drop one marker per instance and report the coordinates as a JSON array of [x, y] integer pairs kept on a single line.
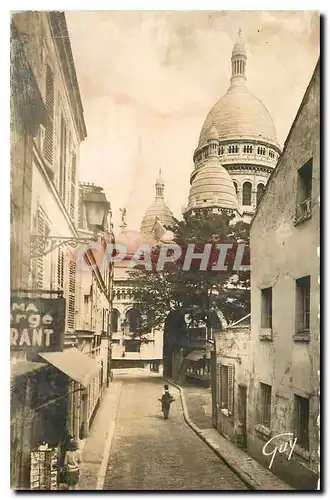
[[37, 324]]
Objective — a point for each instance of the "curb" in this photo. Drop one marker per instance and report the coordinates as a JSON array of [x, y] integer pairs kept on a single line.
[[253, 485], [107, 448]]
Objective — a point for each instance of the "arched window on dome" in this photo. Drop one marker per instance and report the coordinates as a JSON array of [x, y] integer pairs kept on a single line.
[[260, 190], [229, 149], [114, 320], [236, 149], [244, 149], [247, 193]]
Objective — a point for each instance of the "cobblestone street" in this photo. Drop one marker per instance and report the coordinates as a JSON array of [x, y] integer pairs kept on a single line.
[[148, 453]]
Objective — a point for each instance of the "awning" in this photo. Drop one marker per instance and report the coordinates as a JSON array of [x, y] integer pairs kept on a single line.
[[195, 355], [23, 367], [74, 364]]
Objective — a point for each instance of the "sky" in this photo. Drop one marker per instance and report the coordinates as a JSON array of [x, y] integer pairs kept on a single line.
[[148, 79]]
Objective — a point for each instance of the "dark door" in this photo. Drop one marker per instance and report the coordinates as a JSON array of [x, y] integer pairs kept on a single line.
[[242, 397]]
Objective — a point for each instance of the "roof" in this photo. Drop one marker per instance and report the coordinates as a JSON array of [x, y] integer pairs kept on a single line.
[[212, 186], [73, 363], [239, 115]]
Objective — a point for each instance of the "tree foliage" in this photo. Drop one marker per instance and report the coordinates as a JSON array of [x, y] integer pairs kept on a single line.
[[193, 292]]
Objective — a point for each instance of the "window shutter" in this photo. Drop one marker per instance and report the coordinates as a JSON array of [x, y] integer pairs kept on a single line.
[[49, 131], [41, 230], [72, 208], [60, 268], [218, 395], [231, 389], [72, 295], [63, 156]]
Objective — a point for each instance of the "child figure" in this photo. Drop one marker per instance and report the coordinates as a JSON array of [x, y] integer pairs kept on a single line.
[[166, 401]]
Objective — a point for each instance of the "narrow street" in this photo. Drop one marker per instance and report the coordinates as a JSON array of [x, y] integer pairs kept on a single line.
[[148, 453]]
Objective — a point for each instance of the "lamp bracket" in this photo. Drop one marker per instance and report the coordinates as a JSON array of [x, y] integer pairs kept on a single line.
[[43, 245]]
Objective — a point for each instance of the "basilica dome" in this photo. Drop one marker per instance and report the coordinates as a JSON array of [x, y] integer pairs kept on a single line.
[[239, 115], [213, 187], [157, 211]]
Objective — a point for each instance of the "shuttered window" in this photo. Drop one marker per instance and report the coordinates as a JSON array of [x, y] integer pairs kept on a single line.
[[49, 101], [265, 404], [60, 268], [62, 171], [42, 231], [73, 178], [227, 381], [301, 406], [72, 294]]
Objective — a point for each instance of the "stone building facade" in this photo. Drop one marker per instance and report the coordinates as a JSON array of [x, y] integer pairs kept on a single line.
[[233, 348], [52, 393], [283, 395]]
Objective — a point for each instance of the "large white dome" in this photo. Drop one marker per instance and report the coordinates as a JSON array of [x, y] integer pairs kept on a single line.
[[239, 115]]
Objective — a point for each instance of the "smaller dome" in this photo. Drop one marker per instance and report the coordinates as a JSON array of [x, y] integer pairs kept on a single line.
[[213, 187], [159, 210], [213, 134]]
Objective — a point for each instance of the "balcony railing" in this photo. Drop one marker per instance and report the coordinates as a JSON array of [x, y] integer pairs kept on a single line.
[[304, 210]]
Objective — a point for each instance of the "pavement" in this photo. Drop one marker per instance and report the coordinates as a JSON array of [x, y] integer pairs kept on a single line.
[[96, 448], [131, 447], [197, 410]]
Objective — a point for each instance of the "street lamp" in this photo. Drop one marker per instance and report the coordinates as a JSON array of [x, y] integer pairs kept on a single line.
[[97, 208]]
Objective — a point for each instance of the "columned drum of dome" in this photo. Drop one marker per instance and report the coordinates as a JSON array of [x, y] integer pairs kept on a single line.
[[158, 210], [240, 131]]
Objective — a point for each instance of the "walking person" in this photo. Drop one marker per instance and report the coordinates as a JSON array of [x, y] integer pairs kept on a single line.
[[166, 400], [72, 460]]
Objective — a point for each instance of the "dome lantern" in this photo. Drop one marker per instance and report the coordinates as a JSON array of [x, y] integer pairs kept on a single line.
[[158, 209], [238, 60]]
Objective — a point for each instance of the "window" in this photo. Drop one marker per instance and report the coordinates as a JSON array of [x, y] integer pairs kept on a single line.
[[265, 405], [261, 150], [221, 150], [271, 153], [227, 388], [266, 308], [260, 190], [235, 186], [49, 103], [247, 149], [114, 320], [132, 345], [247, 193], [134, 318], [301, 414], [303, 292], [304, 191], [232, 149]]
